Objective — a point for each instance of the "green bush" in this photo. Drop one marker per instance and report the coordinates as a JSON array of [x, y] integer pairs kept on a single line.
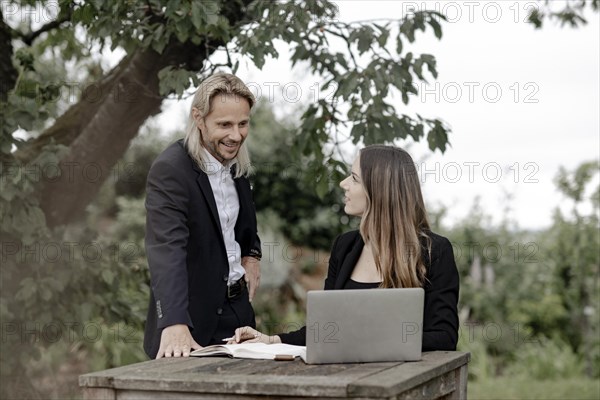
[[546, 359]]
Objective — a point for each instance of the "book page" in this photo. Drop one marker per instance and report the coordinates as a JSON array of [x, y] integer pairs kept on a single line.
[[215, 350], [259, 351]]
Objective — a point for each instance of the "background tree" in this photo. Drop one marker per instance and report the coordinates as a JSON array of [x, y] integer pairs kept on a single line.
[[287, 187], [72, 220], [69, 145], [576, 262], [570, 12], [529, 300], [169, 46]]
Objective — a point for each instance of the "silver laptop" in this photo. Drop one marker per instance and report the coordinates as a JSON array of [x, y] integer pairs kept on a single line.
[[366, 325]]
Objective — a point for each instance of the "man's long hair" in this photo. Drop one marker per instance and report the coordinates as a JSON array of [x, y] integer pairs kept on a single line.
[[212, 86], [395, 219]]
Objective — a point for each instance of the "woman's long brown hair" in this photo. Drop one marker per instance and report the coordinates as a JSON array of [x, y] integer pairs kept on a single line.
[[395, 218]]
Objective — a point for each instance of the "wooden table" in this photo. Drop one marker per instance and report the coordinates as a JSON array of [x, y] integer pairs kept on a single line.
[[439, 374]]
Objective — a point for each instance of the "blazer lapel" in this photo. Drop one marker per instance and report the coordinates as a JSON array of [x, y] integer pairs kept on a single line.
[[243, 195], [207, 192], [349, 263], [239, 189]]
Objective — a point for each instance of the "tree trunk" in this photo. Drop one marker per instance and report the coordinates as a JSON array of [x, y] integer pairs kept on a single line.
[[74, 121], [102, 129], [8, 71]]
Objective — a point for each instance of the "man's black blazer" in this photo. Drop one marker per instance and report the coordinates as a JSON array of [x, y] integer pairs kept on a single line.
[[185, 247], [440, 314]]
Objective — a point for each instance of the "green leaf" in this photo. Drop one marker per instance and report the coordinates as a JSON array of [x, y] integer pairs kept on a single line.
[[404, 97], [408, 29], [437, 29], [212, 10], [535, 17], [25, 58], [172, 7], [197, 14], [419, 20], [159, 41], [417, 132], [365, 39], [430, 61], [183, 29], [437, 138], [300, 53], [27, 88], [84, 14], [348, 85], [383, 36], [418, 68], [340, 59], [108, 276], [322, 187], [357, 132]]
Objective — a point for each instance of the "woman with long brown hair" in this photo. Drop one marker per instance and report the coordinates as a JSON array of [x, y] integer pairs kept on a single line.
[[394, 247]]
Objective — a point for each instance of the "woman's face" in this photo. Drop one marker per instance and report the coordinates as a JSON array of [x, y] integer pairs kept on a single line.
[[355, 196]]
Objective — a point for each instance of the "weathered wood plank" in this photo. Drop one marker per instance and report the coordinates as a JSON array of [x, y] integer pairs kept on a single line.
[[162, 366], [434, 389], [363, 369], [293, 368], [460, 376], [319, 370], [406, 376], [246, 367], [269, 385], [98, 394], [210, 365], [151, 395]]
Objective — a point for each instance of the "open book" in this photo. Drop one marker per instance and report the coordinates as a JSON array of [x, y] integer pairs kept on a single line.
[[260, 351]]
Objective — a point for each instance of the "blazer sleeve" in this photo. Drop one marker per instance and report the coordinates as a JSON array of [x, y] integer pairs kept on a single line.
[[440, 321], [167, 204], [334, 266], [299, 337]]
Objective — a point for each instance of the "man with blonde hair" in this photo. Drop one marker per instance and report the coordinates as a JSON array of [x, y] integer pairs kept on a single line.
[[202, 244]]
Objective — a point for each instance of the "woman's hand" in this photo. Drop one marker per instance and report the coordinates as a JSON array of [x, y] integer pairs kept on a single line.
[[251, 335]]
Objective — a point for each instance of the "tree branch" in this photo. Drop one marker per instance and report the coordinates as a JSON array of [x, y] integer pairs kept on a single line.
[[28, 38], [348, 44]]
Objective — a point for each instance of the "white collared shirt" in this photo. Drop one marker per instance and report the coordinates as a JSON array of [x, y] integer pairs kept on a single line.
[[228, 206]]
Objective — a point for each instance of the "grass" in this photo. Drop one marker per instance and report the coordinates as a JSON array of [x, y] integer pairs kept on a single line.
[[519, 388]]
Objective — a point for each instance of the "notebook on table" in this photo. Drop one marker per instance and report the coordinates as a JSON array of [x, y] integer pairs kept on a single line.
[[366, 325]]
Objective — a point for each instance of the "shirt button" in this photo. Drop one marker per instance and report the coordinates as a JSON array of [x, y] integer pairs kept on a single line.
[[219, 311]]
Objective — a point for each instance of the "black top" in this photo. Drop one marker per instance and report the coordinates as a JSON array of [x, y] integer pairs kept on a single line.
[[440, 313], [352, 284]]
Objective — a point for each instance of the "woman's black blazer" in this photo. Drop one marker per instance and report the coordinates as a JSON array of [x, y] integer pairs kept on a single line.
[[440, 314]]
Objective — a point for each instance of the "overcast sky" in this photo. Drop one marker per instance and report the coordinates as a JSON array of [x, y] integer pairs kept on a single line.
[[521, 102]]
